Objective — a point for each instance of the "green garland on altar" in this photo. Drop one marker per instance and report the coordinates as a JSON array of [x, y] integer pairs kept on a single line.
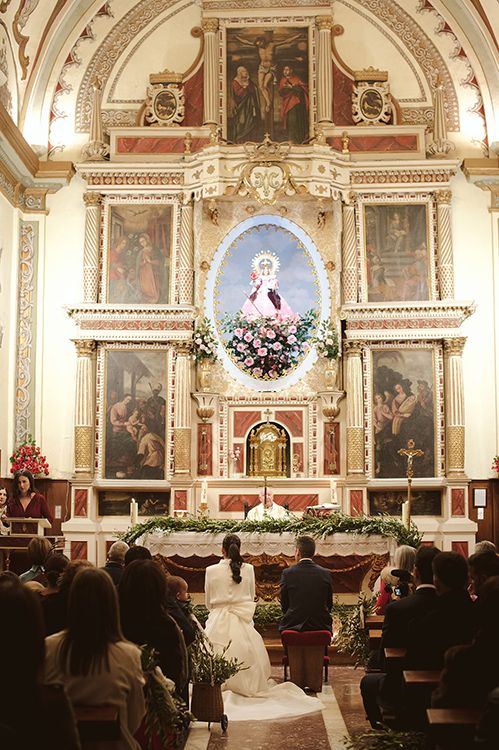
[[313, 526]]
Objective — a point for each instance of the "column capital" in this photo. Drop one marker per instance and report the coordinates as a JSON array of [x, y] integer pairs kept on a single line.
[[183, 349], [324, 23], [85, 347], [353, 348], [443, 196], [92, 199], [350, 199], [454, 347], [209, 25]]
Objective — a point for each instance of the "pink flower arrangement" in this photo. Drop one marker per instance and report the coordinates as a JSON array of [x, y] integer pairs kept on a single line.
[[268, 347], [495, 464], [28, 456]]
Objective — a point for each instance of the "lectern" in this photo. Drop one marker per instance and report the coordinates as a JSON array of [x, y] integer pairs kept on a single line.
[[19, 535]]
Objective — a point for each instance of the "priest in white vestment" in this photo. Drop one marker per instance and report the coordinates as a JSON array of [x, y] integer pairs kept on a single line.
[[266, 508]]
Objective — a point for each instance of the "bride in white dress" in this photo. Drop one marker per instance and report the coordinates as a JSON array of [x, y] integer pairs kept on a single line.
[[230, 599]]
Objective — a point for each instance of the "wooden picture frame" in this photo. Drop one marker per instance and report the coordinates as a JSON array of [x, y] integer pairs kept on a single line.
[[117, 502]]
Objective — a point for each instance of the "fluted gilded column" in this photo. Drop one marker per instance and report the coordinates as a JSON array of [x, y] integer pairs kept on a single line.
[[84, 418], [454, 405], [324, 70], [91, 247], [444, 240], [355, 408], [349, 241], [210, 28], [186, 270], [182, 412]]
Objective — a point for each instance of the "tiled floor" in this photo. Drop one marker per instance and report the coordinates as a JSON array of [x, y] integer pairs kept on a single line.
[[342, 714]]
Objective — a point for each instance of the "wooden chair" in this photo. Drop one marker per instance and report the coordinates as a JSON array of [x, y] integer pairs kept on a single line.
[[306, 655], [453, 728], [97, 723]]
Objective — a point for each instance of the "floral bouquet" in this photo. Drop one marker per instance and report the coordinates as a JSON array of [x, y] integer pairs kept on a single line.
[[267, 348], [326, 340], [204, 344], [28, 456], [495, 464]]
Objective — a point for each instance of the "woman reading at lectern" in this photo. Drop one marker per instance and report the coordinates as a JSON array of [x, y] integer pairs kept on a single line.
[[26, 502]]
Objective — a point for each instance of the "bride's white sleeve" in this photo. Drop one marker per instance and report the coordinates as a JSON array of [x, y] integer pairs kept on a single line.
[[207, 588], [252, 582]]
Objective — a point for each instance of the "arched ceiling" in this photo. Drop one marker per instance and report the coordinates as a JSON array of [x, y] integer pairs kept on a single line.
[[50, 52]]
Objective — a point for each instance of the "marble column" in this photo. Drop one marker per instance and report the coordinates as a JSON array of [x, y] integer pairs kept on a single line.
[[454, 405], [182, 412], [355, 408], [84, 419], [186, 255], [444, 244], [349, 241], [91, 247], [210, 28], [324, 71]]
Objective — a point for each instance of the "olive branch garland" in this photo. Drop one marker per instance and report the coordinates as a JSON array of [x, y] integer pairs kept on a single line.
[[312, 526]]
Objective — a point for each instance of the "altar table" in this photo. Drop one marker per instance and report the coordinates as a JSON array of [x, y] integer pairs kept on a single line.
[[349, 557]]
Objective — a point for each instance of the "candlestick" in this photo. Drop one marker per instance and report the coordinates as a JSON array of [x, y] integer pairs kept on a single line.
[[134, 512]]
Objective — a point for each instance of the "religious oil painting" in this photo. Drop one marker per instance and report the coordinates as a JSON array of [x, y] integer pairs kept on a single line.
[[116, 503], [389, 502], [268, 289], [138, 262], [135, 414], [403, 409], [267, 84], [397, 252]]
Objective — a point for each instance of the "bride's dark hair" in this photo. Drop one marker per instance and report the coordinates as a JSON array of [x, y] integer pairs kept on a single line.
[[232, 548]]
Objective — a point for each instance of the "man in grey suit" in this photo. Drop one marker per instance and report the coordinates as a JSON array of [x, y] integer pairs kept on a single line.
[[306, 591]]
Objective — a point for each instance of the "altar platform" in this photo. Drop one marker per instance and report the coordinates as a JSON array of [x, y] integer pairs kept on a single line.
[[354, 560]]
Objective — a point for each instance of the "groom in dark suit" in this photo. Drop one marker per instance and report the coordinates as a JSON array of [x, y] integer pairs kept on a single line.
[[306, 591]]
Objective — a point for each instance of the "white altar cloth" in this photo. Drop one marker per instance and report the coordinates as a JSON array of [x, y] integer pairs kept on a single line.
[[189, 543]]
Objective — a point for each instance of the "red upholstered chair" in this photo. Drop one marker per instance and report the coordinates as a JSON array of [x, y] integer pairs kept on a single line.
[[306, 655]]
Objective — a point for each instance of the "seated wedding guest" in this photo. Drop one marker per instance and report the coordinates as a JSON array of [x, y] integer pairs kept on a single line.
[[487, 730], [55, 607], [472, 672], [403, 559], [35, 586], [26, 501], [31, 715], [378, 688], [482, 565], [485, 546], [266, 507], [136, 552], [145, 620], [55, 565], [115, 562], [450, 623], [91, 658], [39, 548], [306, 591]]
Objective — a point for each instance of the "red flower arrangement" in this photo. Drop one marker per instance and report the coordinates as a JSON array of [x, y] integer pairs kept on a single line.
[[28, 456], [495, 464]]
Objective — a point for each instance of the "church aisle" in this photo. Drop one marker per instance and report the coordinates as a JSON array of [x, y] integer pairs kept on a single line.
[[323, 730]]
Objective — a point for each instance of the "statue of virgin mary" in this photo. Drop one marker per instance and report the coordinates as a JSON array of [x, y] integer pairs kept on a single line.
[[265, 300]]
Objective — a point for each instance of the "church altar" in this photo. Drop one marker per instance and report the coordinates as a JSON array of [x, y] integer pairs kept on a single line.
[[354, 560]]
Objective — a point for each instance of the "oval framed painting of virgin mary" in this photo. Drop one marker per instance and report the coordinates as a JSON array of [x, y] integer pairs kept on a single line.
[[266, 293]]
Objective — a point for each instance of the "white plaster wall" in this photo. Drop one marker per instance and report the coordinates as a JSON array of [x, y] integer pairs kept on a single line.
[[473, 254], [8, 272], [61, 275]]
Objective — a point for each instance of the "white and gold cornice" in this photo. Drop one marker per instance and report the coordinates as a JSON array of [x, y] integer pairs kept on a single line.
[[417, 320], [484, 173], [123, 323], [25, 180]]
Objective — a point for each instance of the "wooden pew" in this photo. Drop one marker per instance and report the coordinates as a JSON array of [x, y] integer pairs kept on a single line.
[[374, 638], [374, 622], [395, 654], [97, 723], [453, 728], [421, 678]]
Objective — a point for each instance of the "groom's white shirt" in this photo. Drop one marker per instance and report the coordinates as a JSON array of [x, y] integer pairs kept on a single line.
[[259, 512]]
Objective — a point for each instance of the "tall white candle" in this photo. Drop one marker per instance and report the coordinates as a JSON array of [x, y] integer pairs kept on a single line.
[[405, 513], [204, 492], [332, 492], [134, 512]]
